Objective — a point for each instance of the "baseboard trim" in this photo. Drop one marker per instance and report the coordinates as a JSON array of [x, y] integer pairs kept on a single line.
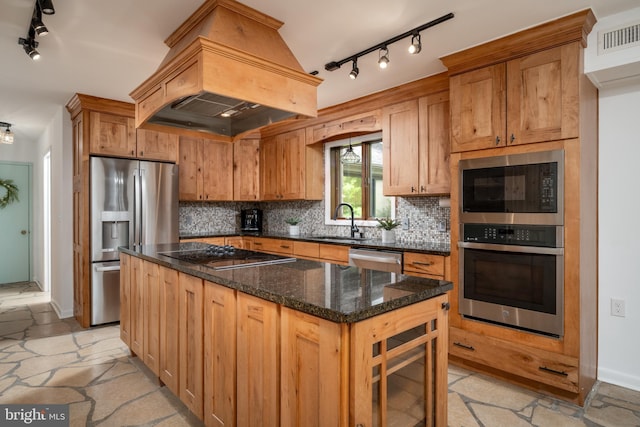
[[618, 378], [62, 314]]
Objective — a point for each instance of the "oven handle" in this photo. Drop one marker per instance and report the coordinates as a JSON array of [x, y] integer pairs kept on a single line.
[[512, 248]]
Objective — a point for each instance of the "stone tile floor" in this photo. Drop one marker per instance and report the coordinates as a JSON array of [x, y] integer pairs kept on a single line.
[[47, 360]]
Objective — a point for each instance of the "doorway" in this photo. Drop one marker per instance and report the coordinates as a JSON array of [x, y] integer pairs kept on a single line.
[[15, 222]]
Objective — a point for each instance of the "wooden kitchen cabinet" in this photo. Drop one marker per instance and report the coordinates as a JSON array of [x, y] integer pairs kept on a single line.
[[154, 145], [191, 343], [334, 253], [246, 169], [219, 355], [112, 135], [258, 346], [125, 295], [278, 246], [151, 316], [205, 171], [311, 383], [533, 98], [424, 265], [137, 307], [290, 169], [169, 366], [416, 146]]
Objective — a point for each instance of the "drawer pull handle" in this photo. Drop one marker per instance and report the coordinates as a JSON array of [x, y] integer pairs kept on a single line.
[[465, 346], [553, 371], [257, 243], [425, 264], [284, 247]]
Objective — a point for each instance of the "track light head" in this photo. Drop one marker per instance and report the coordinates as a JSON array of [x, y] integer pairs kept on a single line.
[[354, 70], [36, 22], [29, 45], [46, 6], [416, 44], [383, 60]]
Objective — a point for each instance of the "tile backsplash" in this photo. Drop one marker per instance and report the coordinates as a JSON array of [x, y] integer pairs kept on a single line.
[[428, 221]]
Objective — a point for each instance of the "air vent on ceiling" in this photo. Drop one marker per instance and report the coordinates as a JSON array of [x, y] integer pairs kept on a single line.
[[615, 39]]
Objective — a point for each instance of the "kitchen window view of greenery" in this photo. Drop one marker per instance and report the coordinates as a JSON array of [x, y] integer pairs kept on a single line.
[[360, 183]]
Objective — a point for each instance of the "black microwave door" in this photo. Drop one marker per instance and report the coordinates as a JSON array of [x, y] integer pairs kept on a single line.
[[483, 190]]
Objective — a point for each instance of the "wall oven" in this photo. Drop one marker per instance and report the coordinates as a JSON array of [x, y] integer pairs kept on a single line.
[[513, 275], [513, 189]]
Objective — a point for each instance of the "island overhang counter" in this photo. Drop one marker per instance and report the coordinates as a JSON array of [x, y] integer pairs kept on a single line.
[[296, 343]]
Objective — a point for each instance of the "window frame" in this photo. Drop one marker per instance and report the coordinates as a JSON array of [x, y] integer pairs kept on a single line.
[[328, 191]]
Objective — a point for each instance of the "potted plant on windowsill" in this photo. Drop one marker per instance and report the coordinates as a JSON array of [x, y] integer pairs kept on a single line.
[[294, 228], [388, 225]]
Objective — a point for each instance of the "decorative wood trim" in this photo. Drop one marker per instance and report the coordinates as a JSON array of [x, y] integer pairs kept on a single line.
[[571, 28], [80, 102]]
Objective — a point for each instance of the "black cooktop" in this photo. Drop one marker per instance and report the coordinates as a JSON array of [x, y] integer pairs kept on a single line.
[[226, 257]]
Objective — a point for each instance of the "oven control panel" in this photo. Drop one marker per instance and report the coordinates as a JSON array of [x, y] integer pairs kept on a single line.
[[508, 234]]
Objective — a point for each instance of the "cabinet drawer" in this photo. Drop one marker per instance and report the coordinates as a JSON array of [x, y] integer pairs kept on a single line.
[[334, 253], [209, 240], [273, 245], [556, 370], [306, 250], [424, 263]]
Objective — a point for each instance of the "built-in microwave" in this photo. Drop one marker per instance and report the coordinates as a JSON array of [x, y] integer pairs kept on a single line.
[[523, 188]]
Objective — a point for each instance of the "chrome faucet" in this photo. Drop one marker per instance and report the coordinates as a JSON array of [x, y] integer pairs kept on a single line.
[[354, 227]]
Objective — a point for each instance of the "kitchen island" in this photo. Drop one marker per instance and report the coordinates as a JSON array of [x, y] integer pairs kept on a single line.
[[294, 343]]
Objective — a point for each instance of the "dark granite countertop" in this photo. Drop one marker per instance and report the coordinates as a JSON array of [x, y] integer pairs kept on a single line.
[[421, 247], [334, 292]]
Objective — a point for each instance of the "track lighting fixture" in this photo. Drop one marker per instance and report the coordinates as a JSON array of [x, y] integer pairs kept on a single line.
[[354, 70], [46, 6], [416, 44], [383, 55], [30, 44], [6, 137], [383, 58], [36, 22], [36, 28]]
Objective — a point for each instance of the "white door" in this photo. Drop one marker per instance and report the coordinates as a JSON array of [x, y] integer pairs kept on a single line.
[[15, 259]]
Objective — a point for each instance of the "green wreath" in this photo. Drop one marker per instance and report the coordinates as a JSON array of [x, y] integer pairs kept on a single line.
[[12, 193]]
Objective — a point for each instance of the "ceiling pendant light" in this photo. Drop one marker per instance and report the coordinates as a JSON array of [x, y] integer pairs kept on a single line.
[[354, 70], [416, 44], [7, 136], [349, 156], [383, 60]]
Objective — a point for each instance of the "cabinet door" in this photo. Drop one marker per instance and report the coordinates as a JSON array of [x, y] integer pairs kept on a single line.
[[219, 355], [125, 298], [191, 343], [246, 169], [310, 371], [112, 135], [435, 146], [151, 322], [137, 304], [478, 109], [291, 157], [400, 148], [269, 165], [169, 309], [542, 96], [189, 170], [217, 170], [258, 393], [152, 145]]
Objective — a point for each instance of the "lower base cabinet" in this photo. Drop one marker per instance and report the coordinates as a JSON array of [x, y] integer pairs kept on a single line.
[[234, 359]]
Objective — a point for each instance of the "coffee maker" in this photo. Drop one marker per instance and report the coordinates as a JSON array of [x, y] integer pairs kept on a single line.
[[251, 220]]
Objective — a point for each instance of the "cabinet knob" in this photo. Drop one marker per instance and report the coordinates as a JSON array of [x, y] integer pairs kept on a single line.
[[141, 153], [413, 189], [512, 138], [422, 189], [497, 140]]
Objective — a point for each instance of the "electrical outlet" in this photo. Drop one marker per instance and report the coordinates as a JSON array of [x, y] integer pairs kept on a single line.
[[617, 307], [442, 226], [405, 223]]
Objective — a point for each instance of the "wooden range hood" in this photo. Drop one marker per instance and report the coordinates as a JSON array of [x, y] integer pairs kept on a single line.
[[228, 71]]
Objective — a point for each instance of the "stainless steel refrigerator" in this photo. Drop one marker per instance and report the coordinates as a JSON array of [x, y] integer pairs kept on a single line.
[[132, 203]]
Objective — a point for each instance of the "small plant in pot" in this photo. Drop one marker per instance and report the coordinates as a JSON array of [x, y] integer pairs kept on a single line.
[[294, 228], [388, 226]]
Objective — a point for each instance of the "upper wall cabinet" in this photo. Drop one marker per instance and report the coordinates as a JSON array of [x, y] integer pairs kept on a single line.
[[416, 146], [246, 169], [205, 171], [153, 145], [290, 169], [526, 100]]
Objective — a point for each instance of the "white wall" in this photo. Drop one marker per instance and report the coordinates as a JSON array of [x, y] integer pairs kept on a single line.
[[619, 209]]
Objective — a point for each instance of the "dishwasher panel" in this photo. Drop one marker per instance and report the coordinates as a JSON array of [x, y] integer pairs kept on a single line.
[[380, 260]]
